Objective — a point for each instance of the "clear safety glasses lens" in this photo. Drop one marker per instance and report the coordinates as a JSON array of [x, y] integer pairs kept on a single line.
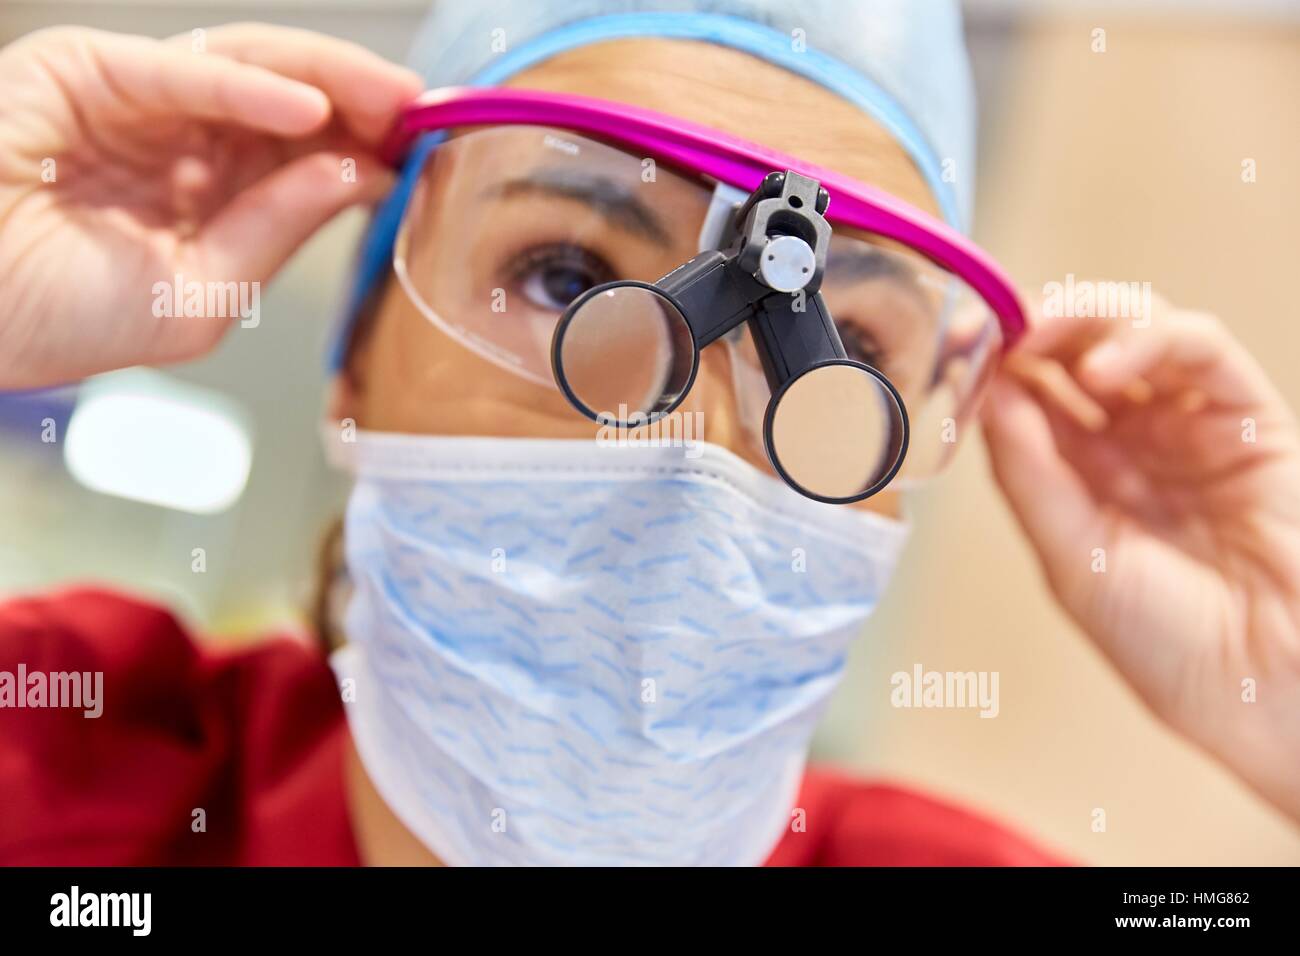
[[508, 225], [932, 337]]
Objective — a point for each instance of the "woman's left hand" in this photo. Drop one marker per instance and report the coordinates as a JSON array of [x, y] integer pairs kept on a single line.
[[1156, 471]]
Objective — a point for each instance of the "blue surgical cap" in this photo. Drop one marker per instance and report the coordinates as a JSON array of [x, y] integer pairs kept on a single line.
[[902, 62]]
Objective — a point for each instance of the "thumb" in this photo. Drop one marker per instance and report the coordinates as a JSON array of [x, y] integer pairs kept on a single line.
[[263, 225], [1048, 497]]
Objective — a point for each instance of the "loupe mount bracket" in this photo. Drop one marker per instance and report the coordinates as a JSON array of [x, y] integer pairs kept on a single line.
[[778, 251], [783, 234]]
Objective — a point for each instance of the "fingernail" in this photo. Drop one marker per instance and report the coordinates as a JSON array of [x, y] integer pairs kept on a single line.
[[1102, 359]]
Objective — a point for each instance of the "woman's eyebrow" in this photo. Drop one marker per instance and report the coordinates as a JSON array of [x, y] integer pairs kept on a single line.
[[612, 199], [863, 262]]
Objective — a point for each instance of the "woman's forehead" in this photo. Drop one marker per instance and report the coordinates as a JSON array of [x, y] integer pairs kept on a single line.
[[738, 94]]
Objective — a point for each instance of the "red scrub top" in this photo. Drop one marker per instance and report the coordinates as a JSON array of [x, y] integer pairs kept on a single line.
[[254, 738]]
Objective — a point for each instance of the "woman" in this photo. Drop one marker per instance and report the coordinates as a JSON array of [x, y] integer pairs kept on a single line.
[[506, 701]]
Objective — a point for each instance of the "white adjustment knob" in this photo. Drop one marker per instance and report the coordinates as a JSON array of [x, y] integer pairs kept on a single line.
[[787, 264]]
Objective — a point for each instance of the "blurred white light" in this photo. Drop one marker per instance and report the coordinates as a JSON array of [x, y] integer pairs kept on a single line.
[[146, 437]]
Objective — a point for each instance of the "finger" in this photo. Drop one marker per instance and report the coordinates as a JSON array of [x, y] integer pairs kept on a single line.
[[1049, 498], [1050, 381], [252, 236], [161, 80], [1061, 334], [1183, 353], [366, 90]]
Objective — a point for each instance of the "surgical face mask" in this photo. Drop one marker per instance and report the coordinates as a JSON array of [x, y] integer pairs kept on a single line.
[[563, 653]]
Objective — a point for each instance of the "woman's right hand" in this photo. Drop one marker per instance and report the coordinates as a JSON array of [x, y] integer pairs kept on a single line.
[[126, 161]]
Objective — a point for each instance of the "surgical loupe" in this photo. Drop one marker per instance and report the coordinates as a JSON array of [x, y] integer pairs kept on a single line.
[[627, 353]]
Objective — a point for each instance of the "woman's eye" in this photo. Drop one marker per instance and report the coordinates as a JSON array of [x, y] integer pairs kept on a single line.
[[859, 344], [551, 277]]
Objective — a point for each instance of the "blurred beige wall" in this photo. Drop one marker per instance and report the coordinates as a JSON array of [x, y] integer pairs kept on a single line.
[[1123, 165]]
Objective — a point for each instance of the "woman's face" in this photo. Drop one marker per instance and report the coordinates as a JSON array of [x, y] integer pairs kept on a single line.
[[406, 375]]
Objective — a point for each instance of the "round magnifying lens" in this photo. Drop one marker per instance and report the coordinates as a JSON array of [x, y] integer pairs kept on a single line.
[[624, 352], [837, 432]]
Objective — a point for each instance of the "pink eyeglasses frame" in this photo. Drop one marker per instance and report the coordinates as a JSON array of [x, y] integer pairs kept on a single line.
[[726, 158]]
